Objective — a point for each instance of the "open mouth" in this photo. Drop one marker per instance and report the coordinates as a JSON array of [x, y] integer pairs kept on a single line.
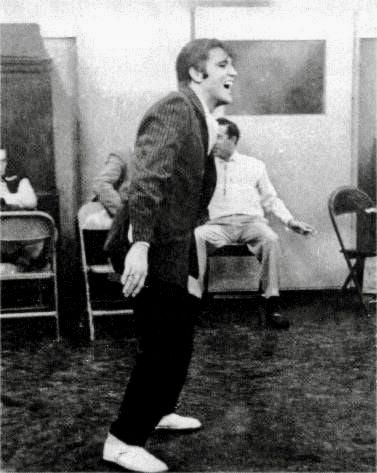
[[228, 84]]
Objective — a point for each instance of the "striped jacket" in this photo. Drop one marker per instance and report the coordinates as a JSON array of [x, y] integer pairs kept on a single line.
[[172, 183]]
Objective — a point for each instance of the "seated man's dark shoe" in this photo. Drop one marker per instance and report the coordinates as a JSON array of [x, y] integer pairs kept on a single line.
[[274, 319]]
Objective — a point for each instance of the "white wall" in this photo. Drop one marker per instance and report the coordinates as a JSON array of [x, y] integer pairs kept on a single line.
[[126, 51]]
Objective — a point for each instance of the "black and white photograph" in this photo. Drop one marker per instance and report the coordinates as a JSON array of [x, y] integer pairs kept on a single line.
[[188, 266]]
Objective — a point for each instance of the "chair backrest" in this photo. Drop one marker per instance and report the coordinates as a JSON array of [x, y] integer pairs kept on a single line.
[[93, 216], [347, 200], [93, 233], [26, 226], [29, 226]]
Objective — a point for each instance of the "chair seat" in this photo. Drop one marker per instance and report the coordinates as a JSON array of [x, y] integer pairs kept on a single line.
[[27, 275], [101, 268], [353, 253], [232, 250]]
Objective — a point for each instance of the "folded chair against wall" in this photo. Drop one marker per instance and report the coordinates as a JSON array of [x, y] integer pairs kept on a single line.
[[97, 270], [36, 285], [348, 200]]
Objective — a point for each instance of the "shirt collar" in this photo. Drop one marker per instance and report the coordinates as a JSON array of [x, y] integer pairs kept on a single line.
[[233, 158]]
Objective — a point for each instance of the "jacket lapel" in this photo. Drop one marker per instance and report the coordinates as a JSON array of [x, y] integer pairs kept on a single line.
[[209, 177]]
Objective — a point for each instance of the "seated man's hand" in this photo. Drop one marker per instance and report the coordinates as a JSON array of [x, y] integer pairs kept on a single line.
[[135, 269], [301, 227], [371, 210]]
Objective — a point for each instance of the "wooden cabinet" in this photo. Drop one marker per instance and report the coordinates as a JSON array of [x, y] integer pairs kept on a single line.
[[26, 109]]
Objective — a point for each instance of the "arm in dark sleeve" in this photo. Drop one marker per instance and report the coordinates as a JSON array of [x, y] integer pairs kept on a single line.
[[158, 146]]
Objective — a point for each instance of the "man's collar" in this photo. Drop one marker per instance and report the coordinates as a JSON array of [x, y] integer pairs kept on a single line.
[[235, 155], [232, 158]]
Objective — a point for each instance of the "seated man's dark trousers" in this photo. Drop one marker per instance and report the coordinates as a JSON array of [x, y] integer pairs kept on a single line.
[[165, 329]]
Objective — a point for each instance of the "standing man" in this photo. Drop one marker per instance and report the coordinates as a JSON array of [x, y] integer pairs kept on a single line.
[[243, 196], [171, 185]]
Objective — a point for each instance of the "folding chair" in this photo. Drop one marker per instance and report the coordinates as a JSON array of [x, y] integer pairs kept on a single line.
[[24, 228], [348, 200], [98, 271]]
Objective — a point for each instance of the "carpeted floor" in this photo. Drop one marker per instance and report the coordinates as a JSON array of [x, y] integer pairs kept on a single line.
[[300, 400]]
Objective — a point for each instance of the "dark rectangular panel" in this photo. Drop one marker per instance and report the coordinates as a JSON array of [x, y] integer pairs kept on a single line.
[[278, 77]]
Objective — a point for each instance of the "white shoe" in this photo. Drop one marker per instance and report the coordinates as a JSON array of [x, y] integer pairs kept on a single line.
[[131, 457], [176, 422]]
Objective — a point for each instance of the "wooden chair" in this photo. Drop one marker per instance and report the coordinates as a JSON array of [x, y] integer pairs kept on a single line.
[[23, 228], [348, 200]]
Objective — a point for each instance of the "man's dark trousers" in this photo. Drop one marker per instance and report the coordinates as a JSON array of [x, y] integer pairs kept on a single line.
[[165, 328]]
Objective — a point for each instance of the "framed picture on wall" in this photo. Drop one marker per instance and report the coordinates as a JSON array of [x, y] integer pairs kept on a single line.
[[278, 77]]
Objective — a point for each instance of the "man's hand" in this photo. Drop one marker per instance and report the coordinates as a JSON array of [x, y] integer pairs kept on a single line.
[[301, 227], [135, 269]]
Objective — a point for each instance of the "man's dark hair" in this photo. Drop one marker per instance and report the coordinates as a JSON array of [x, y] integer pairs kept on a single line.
[[195, 54], [232, 129]]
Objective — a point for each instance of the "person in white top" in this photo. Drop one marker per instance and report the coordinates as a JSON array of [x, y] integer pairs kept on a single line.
[[17, 193], [243, 196]]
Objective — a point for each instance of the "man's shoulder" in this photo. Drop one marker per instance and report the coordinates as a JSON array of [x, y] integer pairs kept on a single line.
[[173, 98], [173, 104]]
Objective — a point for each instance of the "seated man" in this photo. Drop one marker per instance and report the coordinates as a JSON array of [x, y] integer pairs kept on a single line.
[[16, 193], [243, 194], [110, 188]]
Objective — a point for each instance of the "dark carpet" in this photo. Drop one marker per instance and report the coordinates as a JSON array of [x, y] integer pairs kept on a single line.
[[298, 400]]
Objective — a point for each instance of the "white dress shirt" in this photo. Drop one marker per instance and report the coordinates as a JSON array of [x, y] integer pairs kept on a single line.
[[243, 187]]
